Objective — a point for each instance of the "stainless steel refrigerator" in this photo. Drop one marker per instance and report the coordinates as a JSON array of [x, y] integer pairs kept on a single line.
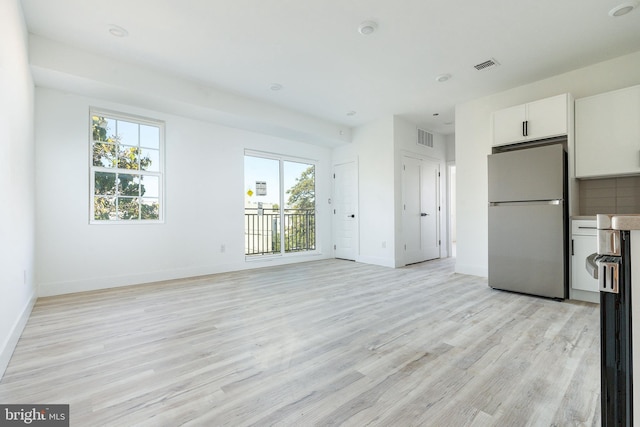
[[528, 222]]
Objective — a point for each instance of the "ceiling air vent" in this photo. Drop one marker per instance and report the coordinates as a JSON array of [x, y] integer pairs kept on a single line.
[[486, 64], [425, 138]]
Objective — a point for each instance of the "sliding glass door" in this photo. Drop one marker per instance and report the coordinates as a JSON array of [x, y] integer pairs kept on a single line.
[[280, 205]]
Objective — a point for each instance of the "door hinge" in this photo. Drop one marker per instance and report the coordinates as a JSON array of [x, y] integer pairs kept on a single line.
[[334, 176], [405, 247], [334, 247], [404, 167], [439, 242], [438, 173], [334, 211], [438, 208]]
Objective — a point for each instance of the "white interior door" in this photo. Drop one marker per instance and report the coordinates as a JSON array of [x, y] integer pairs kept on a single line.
[[412, 211], [345, 211], [421, 209], [430, 200]]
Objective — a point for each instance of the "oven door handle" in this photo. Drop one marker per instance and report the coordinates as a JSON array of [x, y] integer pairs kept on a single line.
[[591, 265]]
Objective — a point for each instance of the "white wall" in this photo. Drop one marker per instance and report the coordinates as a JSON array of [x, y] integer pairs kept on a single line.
[[450, 141], [61, 67], [405, 140], [372, 146], [204, 201], [473, 144], [378, 148], [17, 234]]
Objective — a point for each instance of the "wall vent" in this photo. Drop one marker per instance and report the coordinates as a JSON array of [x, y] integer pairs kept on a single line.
[[486, 64], [425, 138]]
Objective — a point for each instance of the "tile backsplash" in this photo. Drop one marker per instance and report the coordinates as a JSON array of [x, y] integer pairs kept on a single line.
[[610, 195]]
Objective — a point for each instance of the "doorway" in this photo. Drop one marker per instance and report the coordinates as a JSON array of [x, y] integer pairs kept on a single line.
[[280, 206], [420, 209], [451, 182], [345, 211]]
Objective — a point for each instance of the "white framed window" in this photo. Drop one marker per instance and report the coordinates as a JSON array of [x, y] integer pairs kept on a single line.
[[280, 205], [126, 166]]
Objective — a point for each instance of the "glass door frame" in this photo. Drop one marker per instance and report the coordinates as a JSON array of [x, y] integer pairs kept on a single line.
[[282, 159]]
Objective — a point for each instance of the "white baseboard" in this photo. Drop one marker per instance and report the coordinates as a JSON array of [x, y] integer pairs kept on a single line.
[[471, 270], [108, 282], [10, 344], [384, 262], [579, 295]]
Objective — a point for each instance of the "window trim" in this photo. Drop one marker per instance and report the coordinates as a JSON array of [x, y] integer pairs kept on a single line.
[[140, 120]]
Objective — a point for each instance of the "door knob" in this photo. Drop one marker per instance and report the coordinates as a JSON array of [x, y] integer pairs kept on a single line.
[[351, 216], [424, 214]]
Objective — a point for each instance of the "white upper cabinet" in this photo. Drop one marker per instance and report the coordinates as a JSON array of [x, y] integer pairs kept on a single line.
[[541, 119], [607, 141], [508, 125], [547, 118]]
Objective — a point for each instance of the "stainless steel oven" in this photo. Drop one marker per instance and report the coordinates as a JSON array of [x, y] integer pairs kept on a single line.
[[615, 265]]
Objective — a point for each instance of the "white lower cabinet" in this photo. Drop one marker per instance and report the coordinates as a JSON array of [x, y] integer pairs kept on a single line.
[[583, 244]]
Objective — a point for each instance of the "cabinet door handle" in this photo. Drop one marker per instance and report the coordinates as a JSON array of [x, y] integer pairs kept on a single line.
[[524, 129], [572, 249]]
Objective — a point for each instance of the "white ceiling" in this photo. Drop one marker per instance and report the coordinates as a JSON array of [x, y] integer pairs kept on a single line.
[[313, 49]]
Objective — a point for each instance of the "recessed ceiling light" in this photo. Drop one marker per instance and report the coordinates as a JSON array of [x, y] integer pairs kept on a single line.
[[351, 113], [443, 78], [276, 87], [623, 9], [367, 27], [118, 31]]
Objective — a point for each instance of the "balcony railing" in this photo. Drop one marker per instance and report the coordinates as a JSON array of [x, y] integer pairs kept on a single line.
[[263, 230]]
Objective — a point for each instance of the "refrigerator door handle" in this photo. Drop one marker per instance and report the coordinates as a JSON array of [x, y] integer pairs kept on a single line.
[[528, 202]]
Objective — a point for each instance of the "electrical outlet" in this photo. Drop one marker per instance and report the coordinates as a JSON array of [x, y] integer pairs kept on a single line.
[[384, 245], [223, 248]]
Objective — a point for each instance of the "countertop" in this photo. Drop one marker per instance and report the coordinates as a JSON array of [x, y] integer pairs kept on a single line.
[[619, 221]]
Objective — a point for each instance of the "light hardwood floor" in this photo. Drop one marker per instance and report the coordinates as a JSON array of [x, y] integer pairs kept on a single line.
[[320, 343]]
